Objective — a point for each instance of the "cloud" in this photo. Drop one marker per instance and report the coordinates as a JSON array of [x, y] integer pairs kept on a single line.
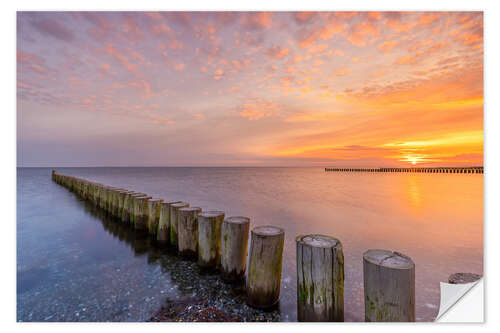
[[123, 60], [387, 46], [179, 66], [304, 17], [277, 52], [406, 60], [53, 28], [363, 32], [257, 20], [317, 48], [256, 109], [342, 72], [428, 18], [324, 32]]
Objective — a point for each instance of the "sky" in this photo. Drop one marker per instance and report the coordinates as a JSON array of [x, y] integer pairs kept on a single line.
[[350, 89]]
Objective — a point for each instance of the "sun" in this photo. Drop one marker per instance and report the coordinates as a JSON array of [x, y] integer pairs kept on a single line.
[[413, 160]]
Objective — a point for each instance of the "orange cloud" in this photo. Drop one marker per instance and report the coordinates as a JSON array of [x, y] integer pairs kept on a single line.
[[405, 60], [362, 31], [342, 72], [317, 49], [387, 46], [179, 66]]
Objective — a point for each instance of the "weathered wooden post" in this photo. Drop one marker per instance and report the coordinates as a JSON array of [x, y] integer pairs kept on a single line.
[[163, 233], [119, 203], [141, 212], [389, 286], [174, 222], [264, 270], [154, 209], [209, 238], [320, 278], [125, 214], [461, 278], [234, 245], [187, 236], [133, 206]]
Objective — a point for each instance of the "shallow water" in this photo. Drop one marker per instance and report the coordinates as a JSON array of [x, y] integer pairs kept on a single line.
[[72, 265]]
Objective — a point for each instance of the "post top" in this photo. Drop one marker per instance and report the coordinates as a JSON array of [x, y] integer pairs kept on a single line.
[[190, 209], [155, 200], [237, 220], [388, 259], [460, 278], [169, 202], [267, 230], [316, 240], [212, 213], [180, 204]]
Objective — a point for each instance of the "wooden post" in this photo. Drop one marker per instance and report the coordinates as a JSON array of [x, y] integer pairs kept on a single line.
[[389, 286], [127, 197], [460, 278], [141, 212], [320, 278], [264, 270], [209, 240], [234, 245], [132, 203], [163, 233], [154, 208], [174, 222], [187, 236], [121, 202]]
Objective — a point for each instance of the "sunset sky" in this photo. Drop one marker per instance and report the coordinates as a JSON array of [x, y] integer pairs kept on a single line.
[[250, 89]]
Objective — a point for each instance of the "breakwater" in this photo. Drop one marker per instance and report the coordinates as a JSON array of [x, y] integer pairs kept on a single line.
[[309, 261], [412, 170]]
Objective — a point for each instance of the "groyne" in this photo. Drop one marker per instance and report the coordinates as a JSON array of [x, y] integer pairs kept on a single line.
[[220, 244], [412, 170]]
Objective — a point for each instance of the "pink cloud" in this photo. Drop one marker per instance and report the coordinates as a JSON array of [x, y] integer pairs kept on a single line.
[[317, 48], [258, 108], [304, 17], [257, 20], [123, 60], [277, 52], [53, 28], [323, 32], [174, 44]]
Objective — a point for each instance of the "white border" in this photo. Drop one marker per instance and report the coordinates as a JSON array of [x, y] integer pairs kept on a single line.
[[8, 140]]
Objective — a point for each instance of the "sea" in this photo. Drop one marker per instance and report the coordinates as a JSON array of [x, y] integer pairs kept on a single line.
[[73, 265]]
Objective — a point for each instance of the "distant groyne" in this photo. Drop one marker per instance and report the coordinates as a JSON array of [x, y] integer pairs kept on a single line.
[[220, 243], [412, 170]]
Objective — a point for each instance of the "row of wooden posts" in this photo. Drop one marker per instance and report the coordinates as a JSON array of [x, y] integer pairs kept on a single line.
[[221, 243], [421, 170]]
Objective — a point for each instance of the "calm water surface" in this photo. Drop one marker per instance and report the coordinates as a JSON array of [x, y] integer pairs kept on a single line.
[[72, 265]]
